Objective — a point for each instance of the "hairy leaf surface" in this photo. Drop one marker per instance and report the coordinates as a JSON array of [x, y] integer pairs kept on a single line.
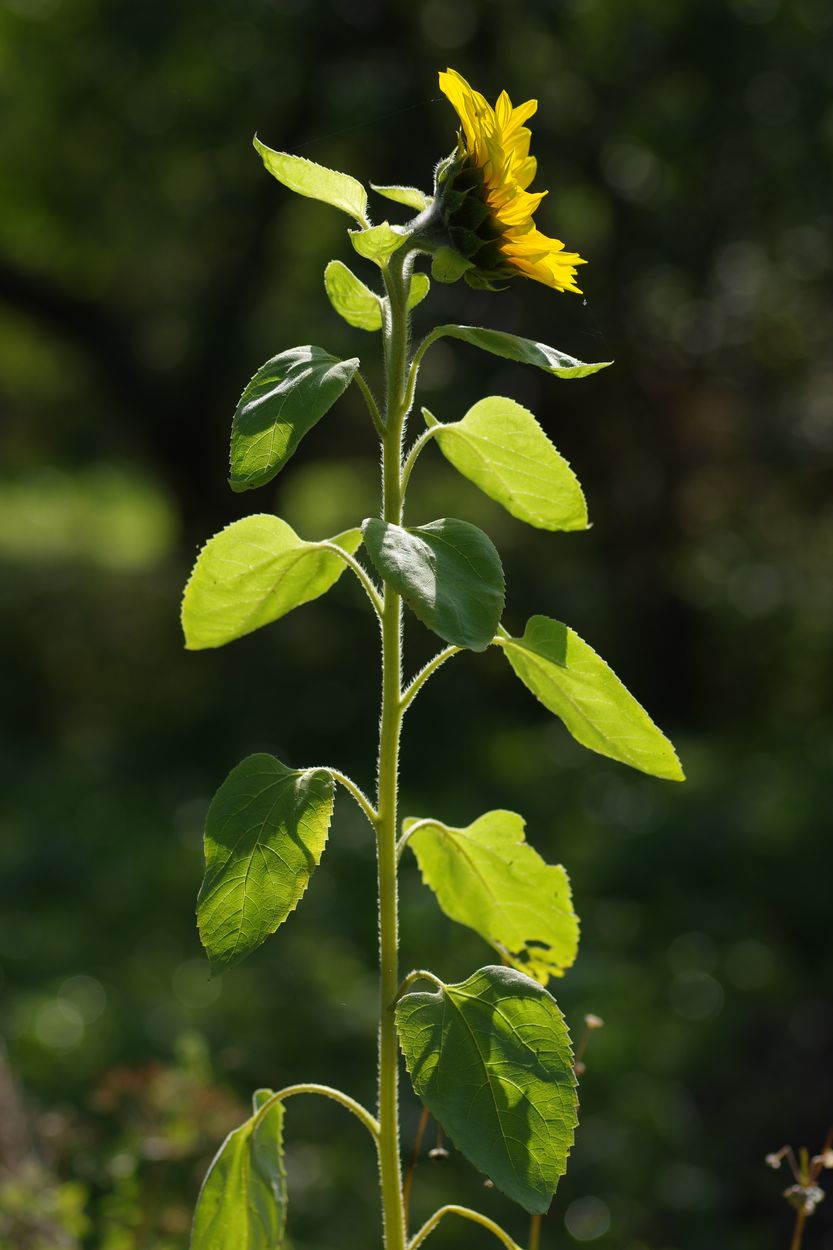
[[264, 835], [242, 1202], [526, 351], [500, 447], [284, 400], [411, 197], [492, 1061], [377, 243], [252, 573], [448, 572], [488, 877], [316, 182], [574, 683]]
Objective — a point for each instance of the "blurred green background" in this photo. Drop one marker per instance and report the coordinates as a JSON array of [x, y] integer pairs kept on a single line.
[[147, 266]]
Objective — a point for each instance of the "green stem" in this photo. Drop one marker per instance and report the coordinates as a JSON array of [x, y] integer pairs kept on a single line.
[[326, 1091], [396, 327], [353, 564], [414, 453], [357, 793], [370, 401], [422, 676], [467, 1214]]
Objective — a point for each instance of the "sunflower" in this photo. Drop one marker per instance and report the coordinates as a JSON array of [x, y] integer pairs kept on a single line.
[[485, 186]]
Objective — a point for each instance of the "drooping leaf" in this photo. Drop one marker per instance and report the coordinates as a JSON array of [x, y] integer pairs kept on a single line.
[[500, 447], [351, 299], [488, 877], [420, 286], [448, 265], [411, 197], [242, 1202], [252, 573], [574, 683], [448, 572], [377, 243], [264, 835], [316, 182], [492, 1061], [524, 350], [283, 401]]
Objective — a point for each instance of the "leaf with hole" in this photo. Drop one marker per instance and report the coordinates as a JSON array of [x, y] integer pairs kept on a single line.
[[264, 835], [316, 182], [243, 1200], [492, 1061], [448, 572], [525, 351], [284, 400], [500, 447], [574, 683], [488, 877], [252, 573]]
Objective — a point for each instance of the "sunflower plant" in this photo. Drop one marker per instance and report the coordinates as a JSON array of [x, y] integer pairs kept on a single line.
[[490, 1058]]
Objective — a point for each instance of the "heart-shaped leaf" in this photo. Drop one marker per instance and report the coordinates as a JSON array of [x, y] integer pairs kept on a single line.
[[448, 572], [488, 877], [492, 1061], [242, 1202], [500, 447], [316, 182], [252, 573], [284, 400], [574, 683], [526, 351], [264, 835]]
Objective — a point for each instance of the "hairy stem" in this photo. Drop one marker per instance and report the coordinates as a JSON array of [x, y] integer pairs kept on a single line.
[[467, 1214], [396, 363], [325, 1091]]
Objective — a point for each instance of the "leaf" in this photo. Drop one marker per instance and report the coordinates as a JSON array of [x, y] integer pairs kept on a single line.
[[351, 299], [252, 573], [574, 683], [412, 197], [486, 876], [316, 182], [377, 243], [420, 286], [500, 447], [524, 350], [448, 265], [492, 1061], [283, 401], [264, 835], [449, 574], [242, 1202]]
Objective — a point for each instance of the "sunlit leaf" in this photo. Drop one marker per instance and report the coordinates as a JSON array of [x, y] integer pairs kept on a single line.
[[264, 835], [448, 265], [252, 573], [283, 401], [492, 1061], [316, 182], [351, 299], [378, 242], [574, 683], [412, 197], [488, 877], [500, 447], [448, 572], [242, 1202], [420, 286], [524, 350]]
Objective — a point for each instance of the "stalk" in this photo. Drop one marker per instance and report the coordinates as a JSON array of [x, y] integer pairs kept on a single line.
[[396, 360]]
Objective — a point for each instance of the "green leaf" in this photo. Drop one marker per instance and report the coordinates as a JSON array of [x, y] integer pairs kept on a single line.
[[264, 835], [351, 299], [412, 197], [500, 447], [242, 1202], [449, 574], [492, 1061], [377, 243], [576, 685], [316, 182], [448, 265], [524, 350], [420, 286], [252, 573], [486, 876], [283, 401]]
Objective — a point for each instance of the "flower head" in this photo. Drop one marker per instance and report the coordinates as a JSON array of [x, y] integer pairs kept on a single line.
[[485, 185]]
